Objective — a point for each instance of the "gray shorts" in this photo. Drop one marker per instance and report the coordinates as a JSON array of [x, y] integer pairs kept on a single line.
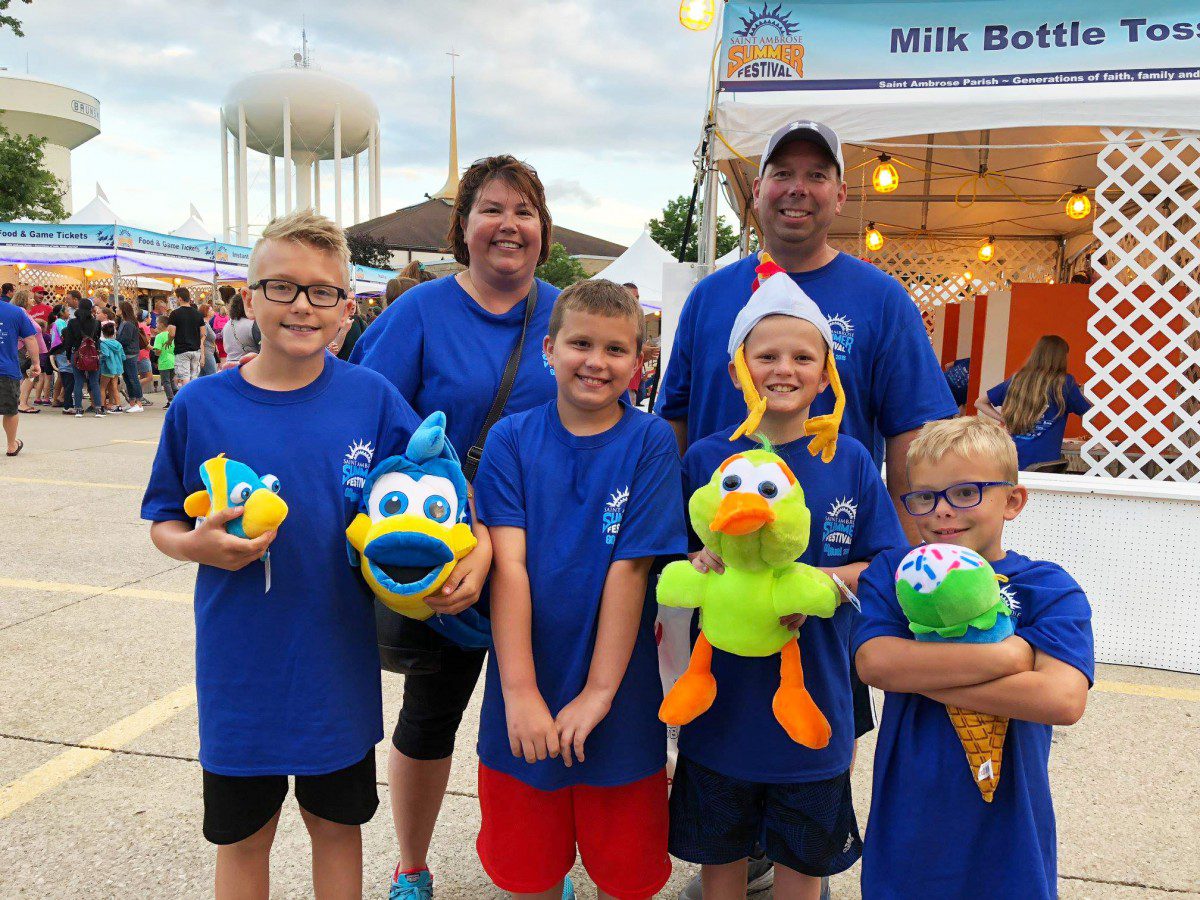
[[10, 395], [187, 366]]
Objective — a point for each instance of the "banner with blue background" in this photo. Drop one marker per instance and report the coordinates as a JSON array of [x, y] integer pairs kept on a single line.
[[894, 44]]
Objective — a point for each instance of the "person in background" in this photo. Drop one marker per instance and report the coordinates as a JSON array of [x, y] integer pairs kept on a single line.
[[221, 316], [21, 300], [16, 330], [635, 383], [164, 347], [396, 287], [343, 345], [1034, 404], [208, 364], [186, 327], [145, 368], [58, 359], [112, 367], [417, 272], [41, 308], [238, 335], [132, 341], [79, 330], [958, 376], [6, 292], [161, 311]]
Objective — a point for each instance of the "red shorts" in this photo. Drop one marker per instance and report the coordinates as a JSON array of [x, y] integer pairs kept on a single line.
[[528, 838]]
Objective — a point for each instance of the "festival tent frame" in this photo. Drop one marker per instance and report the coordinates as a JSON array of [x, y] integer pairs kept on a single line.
[[641, 264]]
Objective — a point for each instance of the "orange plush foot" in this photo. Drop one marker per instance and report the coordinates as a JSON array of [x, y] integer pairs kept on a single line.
[[692, 695], [800, 717]]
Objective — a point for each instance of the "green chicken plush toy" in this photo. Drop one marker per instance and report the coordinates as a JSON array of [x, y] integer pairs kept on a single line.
[[751, 514]]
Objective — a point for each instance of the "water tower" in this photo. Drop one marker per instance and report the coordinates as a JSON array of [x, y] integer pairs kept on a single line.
[[302, 116]]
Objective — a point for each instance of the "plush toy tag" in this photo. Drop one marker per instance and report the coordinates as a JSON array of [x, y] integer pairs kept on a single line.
[[847, 593]]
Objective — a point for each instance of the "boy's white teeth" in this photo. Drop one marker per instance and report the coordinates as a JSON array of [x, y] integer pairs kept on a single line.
[[780, 388]]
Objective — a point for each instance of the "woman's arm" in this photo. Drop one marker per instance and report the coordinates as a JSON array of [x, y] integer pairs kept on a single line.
[[1053, 693], [905, 666], [984, 405]]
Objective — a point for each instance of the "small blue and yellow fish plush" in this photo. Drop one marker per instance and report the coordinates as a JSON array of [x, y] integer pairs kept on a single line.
[[413, 527], [230, 483]]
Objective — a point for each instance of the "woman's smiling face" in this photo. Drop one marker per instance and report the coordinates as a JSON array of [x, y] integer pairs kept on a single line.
[[503, 233]]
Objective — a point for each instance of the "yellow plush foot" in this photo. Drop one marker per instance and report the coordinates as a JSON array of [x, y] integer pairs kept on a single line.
[[800, 717], [692, 695]]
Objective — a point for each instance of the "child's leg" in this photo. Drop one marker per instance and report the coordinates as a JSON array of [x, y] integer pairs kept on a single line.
[[337, 857], [791, 885], [527, 836], [727, 882], [243, 869], [555, 893], [622, 834]]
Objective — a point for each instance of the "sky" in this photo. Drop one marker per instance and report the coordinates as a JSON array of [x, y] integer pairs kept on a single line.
[[605, 98]]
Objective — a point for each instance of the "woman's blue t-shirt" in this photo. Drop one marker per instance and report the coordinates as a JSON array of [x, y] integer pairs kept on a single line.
[[1043, 442], [287, 680], [852, 519], [930, 833], [584, 503]]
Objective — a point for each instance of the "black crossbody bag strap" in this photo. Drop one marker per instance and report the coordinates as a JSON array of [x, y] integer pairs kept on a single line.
[[470, 465]]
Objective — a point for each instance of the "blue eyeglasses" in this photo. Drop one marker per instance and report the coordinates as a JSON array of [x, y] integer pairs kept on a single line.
[[964, 495]]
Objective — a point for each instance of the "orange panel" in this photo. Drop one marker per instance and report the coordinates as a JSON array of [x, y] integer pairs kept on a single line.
[[977, 335], [950, 334]]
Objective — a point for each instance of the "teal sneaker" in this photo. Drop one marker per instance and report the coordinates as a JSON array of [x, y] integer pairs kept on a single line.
[[568, 889], [413, 885]]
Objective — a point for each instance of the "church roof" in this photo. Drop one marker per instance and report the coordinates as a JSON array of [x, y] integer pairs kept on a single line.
[[423, 226]]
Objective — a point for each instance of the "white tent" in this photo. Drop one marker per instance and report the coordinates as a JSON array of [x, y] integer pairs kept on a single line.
[[96, 212], [641, 264], [731, 257], [194, 228]]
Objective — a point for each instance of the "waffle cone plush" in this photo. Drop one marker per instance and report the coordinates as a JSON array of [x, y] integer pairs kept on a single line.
[[982, 737]]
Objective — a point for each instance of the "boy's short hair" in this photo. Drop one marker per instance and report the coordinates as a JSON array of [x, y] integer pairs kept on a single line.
[[599, 297], [310, 229], [971, 437], [183, 294], [108, 329]]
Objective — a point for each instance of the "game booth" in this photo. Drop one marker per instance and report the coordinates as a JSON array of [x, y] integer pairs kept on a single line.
[[1021, 177]]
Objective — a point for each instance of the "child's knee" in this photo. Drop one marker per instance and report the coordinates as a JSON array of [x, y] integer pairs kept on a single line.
[[326, 830], [257, 843]]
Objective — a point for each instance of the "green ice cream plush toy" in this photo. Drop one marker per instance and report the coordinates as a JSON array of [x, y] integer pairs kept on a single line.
[[751, 514]]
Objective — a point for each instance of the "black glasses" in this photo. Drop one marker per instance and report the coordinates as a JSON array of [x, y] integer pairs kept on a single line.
[[965, 495], [279, 291]]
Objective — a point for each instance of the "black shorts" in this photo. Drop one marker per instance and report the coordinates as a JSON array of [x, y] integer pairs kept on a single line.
[[236, 807], [439, 679], [808, 826], [10, 395]]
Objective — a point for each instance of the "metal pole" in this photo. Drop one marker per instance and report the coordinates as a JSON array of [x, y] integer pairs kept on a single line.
[[707, 244], [244, 193], [337, 165], [272, 168], [224, 177], [287, 155], [357, 218], [373, 173], [317, 184]]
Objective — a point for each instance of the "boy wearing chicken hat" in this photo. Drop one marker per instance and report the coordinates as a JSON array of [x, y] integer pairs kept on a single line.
[[741, 781]]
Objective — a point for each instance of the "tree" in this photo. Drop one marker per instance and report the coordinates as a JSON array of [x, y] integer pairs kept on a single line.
[[668, 231], [28, 190], [368, 251], [9, 21], [561, 269]]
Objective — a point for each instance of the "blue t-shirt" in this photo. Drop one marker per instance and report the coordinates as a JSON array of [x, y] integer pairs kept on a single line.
[[958, 377], [288, 681], [853, 519], [14, 328], [892, 380], [930, 834], [1043, 442], [585, 503], [446, 352]]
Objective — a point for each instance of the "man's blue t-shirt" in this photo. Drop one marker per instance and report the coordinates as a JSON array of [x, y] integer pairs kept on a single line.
[[930, 833], [958, 378], [584, 503], [1043, 442], [892, 380], [853, 519], [14, 328], [287, 681], [446, 352]]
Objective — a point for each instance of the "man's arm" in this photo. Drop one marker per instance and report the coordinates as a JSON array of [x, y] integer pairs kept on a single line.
[[1053, 693], [906, 666], [896, 463], [679, 426]]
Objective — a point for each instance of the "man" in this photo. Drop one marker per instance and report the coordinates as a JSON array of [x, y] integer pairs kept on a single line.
[[892, 379], [6, 292], [41, 309], [15, 329], [185, 325]]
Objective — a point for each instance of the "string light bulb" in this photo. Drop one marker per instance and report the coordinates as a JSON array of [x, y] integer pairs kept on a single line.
[[885, 178], [873, 238], [988, 251], [20, 267], [968, 276], [1078, 204], [87, 273], [697, 15]]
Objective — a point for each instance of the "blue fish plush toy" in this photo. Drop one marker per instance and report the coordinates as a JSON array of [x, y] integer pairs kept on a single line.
[[413, 526]]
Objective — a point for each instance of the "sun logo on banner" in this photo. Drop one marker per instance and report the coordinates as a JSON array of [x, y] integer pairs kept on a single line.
[[767, 47]]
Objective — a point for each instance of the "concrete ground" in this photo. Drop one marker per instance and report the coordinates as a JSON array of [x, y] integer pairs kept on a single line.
[[99, 784]]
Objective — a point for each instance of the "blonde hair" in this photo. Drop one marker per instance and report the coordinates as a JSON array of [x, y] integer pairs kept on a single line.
[[310, 229], [1037, 382], [21, 298], [971, 437], [599, 297]]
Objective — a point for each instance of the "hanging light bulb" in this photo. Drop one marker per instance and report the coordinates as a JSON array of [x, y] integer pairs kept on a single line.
[[178, 281], [20, 267], [988, 250], [697, 15], [87, 273], [885, 178], [1078, 204], [873, 238], [968, 276]]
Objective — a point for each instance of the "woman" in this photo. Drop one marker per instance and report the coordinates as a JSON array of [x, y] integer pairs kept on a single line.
[[343, 344], [238, 333], [82, 327], [21, 299], [396, 287], [445, 344], [131, 339], [58, 356], [221, 317], [209, 363], [1034, 404]]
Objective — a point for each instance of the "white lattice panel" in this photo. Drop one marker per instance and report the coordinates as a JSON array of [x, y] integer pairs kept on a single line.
[[1146, 419], [933, 270]]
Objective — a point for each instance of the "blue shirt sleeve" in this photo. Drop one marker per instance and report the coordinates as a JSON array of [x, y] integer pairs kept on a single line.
[[881, 615], [997, 394], [1075, 399], [676, 391], [25, 327], [499, 483], [1061, 625], [653, 523], [909, 383], [881, 526], [394, 346], [166, 490]]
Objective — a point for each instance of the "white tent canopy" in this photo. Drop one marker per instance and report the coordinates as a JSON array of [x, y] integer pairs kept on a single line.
[[641, 264], [96, 212], [194, 228]]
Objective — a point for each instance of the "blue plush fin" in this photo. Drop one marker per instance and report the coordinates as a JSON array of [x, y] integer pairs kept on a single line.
[[467, 629], [428, 441]]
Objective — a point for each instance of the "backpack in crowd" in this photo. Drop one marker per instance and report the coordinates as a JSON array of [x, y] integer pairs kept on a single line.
[[86, 357]]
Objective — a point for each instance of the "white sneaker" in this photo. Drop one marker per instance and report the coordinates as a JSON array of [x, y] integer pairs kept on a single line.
[[133, 409], [78, 414]]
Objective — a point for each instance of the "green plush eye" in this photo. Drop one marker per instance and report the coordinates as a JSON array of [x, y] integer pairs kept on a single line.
[[731, 482], [769, 489]]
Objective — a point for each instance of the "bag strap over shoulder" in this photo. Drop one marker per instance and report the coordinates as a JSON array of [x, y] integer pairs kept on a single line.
[[470, 463]]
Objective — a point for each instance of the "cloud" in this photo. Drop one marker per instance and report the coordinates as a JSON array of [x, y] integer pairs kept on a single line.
[[562, 190]]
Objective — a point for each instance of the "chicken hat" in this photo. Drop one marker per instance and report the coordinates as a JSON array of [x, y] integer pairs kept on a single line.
[[776, 294]]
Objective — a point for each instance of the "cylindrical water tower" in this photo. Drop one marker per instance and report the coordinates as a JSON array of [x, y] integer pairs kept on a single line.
[[302, 116]]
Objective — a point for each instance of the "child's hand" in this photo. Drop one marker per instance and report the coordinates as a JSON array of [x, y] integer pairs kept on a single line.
[[793, 622], [577, 720], [211, 545], [531, 731], [705, 560], [461, 590]]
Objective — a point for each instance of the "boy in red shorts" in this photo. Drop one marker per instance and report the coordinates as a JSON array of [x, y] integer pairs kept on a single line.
[[579, 495]]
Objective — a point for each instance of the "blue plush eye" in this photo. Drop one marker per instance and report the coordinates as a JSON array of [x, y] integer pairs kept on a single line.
[[732, 482], [394, 503], [437, 508], [240, 494], [271, 483]]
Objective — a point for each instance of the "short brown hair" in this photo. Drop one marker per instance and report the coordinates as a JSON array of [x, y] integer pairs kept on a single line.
[[599, 297], [183, 294], [304, 226], [971, 437], [396, 287], [521, 177]]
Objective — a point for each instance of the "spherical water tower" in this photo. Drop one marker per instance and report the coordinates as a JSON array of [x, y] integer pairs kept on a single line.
[[302, 116]]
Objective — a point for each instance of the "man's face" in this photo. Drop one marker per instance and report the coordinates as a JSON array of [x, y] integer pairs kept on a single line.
[[798, 196], [298, 329]]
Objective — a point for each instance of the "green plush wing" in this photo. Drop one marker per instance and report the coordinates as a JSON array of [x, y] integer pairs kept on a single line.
[[680, 585], [805, 590]]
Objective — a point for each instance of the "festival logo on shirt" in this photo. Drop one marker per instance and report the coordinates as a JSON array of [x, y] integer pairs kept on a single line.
[[546, 362], [355, 467], [838, 531], [614, 510], [1010, 598], [843, 336]]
